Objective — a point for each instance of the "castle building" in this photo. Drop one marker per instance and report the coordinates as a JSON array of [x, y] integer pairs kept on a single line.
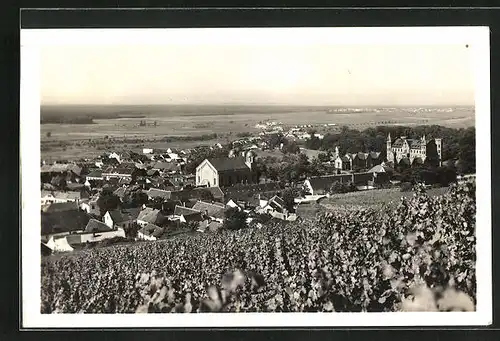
[[409, 152]]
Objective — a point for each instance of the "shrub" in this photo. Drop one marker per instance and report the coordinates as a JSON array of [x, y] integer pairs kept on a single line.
[[406, 186]]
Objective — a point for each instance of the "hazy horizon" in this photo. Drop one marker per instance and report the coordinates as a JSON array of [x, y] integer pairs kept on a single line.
[[398, 75]]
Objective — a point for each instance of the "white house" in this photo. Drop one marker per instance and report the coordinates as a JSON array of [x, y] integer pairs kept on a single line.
[[49, 197], [147, 150], [59, 244], [114, 155], [85, 206], [68, 242], [121, 218]]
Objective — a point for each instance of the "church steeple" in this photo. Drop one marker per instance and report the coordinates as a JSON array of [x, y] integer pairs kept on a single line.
[[389, 153]]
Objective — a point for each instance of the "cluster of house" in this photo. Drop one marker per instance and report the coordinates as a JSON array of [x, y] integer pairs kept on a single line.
[[171, 201], [157, 196]]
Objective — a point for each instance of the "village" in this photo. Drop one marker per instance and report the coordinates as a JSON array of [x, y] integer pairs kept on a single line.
[[153, 194]]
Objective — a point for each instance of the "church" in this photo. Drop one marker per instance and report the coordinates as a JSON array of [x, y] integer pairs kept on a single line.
[[227, 171], [409, 152]]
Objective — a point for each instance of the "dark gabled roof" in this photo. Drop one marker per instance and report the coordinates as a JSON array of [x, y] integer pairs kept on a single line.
[[155, 193], [185, 211], [60, 168], [69, 195], [64, 221], [228, 163], [125, 181], [242, 191], [362, 156], [194, 217], [209, 225], [415, 144], [128, 170], [166, 166], [96, 226], [61, 207], [398, 143], [212, 210], [215, 191], [120, 216], [120, 192], [346, 158], [374, 155], [48, 187], [152, 230], [276, 199], [152, 172], [324, 182], [362, 178], [152, 216], [95, 174], [196, 193], [56, 180]]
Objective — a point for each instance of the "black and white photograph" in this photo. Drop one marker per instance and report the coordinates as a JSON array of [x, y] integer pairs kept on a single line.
[[265, 173]]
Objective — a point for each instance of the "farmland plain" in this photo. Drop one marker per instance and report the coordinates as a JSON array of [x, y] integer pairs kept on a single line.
[[65, 140]]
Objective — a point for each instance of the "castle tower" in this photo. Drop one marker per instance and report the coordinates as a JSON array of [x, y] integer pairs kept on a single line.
[[438, 150], [423, 148], [389, 153]]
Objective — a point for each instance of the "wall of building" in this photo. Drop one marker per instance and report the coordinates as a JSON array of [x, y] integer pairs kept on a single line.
[[205, 172], [91, 238]]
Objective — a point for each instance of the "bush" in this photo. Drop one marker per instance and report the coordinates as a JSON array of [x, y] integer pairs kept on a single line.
[[235, 219], [406, 186], [339, 187]]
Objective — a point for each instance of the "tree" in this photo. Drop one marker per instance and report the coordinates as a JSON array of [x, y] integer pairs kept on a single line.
[[138, 198], [313, 143], [132, 229], [107, 201], [275, 140], [290, 147], [48, 134], [288, 196], [323, 157], [338, 187], [206, 196], [235, 219]]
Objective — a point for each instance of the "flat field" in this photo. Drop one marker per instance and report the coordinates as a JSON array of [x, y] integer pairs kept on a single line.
[[225, 121]]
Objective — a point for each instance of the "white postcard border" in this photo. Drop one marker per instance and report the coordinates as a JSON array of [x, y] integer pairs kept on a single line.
[[32, 40]]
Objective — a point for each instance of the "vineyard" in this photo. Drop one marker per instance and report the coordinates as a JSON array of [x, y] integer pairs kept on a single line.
[[417, 256]]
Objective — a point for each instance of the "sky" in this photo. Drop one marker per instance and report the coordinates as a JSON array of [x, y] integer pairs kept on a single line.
[[237, 73]]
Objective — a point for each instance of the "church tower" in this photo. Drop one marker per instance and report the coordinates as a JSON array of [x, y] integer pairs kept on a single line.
[[390, 154]]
